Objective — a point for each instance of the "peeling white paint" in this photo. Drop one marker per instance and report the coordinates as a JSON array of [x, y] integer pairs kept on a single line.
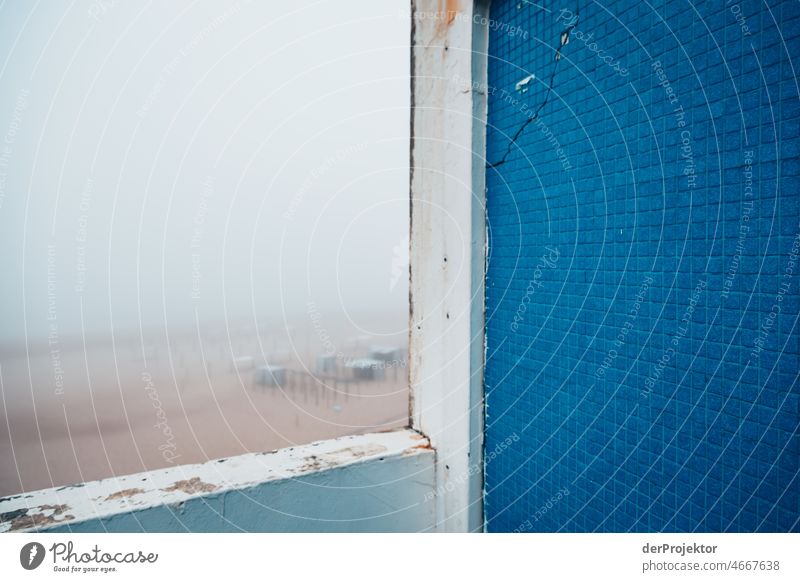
[[177, 485], [522, 86]]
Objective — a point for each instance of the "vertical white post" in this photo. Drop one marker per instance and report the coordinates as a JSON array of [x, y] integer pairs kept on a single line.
[[448, 249]]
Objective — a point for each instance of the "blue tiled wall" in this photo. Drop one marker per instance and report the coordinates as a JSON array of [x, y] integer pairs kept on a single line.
[[642, 286]]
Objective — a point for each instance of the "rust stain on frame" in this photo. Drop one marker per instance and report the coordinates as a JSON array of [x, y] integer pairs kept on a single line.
[[337, 458], [448, 10], [452, 10]]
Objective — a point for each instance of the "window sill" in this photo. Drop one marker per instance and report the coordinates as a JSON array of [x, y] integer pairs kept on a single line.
[[372, 482]]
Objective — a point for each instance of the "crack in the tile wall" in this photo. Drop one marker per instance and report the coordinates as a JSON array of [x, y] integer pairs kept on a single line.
[[564, 39]]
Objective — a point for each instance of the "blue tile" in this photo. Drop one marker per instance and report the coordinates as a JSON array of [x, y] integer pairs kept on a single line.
[[640, 345]]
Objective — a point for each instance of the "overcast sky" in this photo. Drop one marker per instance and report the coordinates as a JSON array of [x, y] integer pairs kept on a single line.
[[163, 159]]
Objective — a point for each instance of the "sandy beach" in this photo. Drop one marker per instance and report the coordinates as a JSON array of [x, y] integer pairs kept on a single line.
[[84, 412]]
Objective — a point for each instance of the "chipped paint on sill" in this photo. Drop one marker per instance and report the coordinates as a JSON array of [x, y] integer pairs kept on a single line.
[[176, 485], [25, 519], [191, 486], [124, 493]]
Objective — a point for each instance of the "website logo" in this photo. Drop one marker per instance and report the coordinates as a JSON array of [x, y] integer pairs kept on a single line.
[[31, 555], [399, 263]]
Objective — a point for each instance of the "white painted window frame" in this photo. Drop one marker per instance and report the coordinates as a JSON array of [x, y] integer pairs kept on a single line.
[[449, 41], [448, 248]]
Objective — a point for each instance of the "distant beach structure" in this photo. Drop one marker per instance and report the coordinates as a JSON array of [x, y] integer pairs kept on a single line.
[[367, 369], [383, 354], [271, 376], [327, 364]]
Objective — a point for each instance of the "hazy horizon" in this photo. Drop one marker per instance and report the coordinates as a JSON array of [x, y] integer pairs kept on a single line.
[[196, 162]]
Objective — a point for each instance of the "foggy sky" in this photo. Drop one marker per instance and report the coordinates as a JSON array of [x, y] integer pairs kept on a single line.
[[163, 159]]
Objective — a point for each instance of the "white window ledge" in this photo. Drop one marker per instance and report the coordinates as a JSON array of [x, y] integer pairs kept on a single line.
[[372, 482]]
